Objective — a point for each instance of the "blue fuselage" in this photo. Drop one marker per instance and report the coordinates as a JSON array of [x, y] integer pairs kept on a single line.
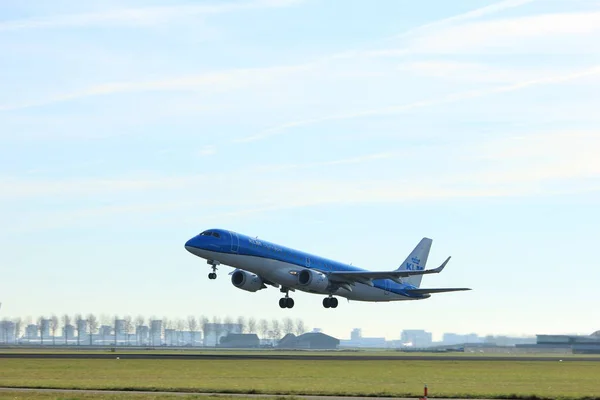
[[280, 264]]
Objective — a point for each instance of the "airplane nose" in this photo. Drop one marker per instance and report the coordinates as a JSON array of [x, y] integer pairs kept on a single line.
[[189, 245]]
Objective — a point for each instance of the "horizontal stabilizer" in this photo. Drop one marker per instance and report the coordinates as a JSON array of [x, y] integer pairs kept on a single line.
[[437, 290]]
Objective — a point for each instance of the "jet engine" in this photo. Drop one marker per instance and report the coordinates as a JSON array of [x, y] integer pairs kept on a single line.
[[247, 281], [313, 281]]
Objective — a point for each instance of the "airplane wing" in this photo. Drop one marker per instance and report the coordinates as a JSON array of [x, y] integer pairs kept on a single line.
[[367, 277], [436, 290]]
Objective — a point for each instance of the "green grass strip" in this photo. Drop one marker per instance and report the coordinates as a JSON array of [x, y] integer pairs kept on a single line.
[[445, 379]]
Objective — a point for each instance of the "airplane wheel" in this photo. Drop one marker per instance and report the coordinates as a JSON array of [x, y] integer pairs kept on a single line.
[[282, 302], [326, 302], [334, 302], [212, 275], [289, 302]]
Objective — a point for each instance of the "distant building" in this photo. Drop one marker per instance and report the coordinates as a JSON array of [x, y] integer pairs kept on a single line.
[[171, 337], [365, 342], [240, 340], [142, 334], [312, 340], [416, 338], [358, 341], [121, 329], [31, 331], [155, 332], [105, 333], [46, 323], [453, 338], [68, 332], [7, 332], [82, 328], [579, 344], [191, 338], [508, 341], [214, 332]]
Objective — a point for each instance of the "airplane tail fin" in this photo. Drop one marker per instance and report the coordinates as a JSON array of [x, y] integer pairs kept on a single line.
[[416, 261]]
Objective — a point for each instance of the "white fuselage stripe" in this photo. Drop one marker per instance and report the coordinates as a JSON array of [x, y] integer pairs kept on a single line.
[[281, 272]]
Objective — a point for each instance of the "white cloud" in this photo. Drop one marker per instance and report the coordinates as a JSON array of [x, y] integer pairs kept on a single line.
[[346, 161], [570, 144], [445, 99], [514, 78], [551, 33], [220, 81], [207, 151], [422, 38], [14, 188], [428, 28], [473, 14], [543, 157], [289, 195], [138, 16], [528, 165], [471, 72]]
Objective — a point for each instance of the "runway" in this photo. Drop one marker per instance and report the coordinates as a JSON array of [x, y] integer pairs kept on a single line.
[[241, 395], [294, 357]]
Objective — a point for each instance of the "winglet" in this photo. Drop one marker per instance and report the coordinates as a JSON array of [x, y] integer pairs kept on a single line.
[[441, 267], [424, 272]]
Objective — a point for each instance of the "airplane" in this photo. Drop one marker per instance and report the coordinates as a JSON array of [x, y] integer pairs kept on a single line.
[[259, 263]]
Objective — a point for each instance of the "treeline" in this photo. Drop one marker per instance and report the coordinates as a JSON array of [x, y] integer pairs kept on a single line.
[[69, 327]]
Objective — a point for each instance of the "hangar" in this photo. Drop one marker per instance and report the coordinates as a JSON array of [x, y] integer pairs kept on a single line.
[[579, 344], [240, 341], [312, 340]]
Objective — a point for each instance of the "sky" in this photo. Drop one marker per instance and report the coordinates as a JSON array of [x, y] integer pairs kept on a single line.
[[346, 129]]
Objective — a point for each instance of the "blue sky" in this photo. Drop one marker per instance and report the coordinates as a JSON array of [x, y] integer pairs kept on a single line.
[[348, 129]]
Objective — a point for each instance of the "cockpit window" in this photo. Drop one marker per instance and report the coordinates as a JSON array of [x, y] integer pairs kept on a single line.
[[210, 233]]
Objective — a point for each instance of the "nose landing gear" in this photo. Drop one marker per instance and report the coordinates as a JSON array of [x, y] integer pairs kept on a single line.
[[213, 275]]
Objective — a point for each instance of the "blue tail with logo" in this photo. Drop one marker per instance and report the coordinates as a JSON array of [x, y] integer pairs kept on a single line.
[[416, 261]]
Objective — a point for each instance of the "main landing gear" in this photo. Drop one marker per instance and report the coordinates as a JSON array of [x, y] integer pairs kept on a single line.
[[287, 301], [330, 302], [213, 275]]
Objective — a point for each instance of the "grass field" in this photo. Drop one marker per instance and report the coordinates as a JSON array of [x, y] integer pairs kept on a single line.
[[482, 379], [13, 395]]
